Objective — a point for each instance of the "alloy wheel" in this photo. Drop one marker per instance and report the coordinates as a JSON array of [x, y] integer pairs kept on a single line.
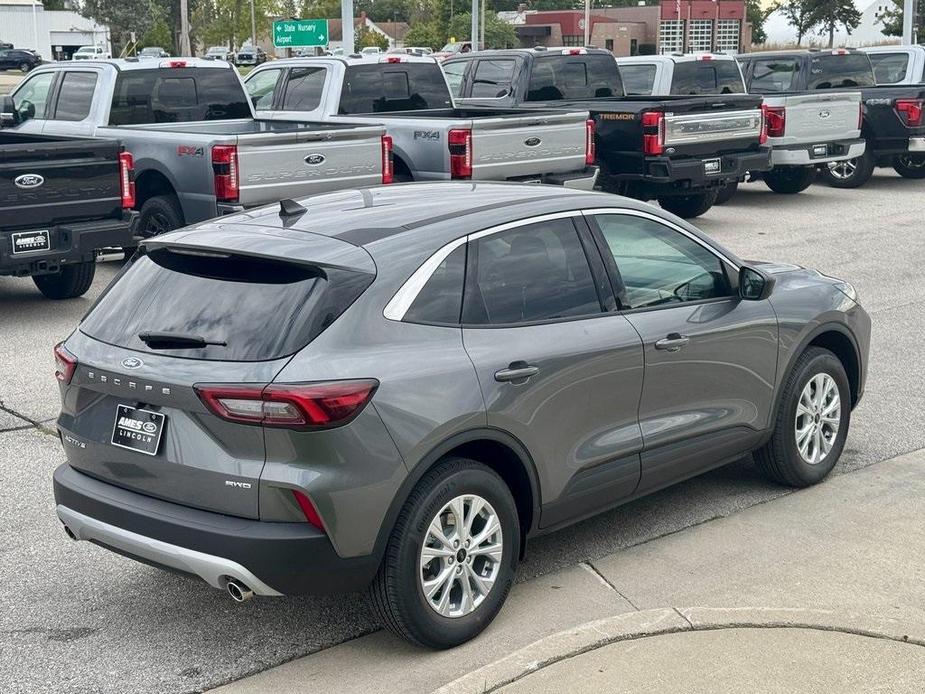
[[912, 161], [818, 418], [461, 556], [156, 225], [843, 170]]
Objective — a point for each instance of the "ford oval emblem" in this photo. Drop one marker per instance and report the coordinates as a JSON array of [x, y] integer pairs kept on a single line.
[[824, 114], [532, 141], [27, 181], [132, 363], [314, 159]]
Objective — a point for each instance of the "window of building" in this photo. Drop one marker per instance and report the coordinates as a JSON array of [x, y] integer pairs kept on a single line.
[[671, 36], [700, 35], [727, 35], [573, 40]]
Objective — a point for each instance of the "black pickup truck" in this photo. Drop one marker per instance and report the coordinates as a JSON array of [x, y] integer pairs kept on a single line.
[[893, 123], [61, 200], [680, 150]]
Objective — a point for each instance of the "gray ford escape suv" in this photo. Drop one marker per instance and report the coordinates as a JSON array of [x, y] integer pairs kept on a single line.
[[396, 387]]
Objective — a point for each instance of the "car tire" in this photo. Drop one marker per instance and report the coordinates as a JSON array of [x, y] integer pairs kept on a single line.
[[72, 281], [449, 616], [790, 180], [688, 206], [158, 215], [851, 173], [24, 68], [910, 165], [726, 193], [817, 374]]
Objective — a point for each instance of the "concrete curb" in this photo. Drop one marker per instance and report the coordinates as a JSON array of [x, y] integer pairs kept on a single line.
[[637, 625]]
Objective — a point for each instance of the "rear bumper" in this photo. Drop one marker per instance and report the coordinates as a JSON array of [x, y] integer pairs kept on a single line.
[[803, 155], [269, 558], [579, 180], [667, 176], [917, 144], [70, 243]]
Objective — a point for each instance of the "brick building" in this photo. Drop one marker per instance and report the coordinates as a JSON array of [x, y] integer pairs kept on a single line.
[[689, 26]]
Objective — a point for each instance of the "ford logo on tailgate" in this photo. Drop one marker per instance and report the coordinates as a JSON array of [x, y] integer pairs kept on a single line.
[[532, 142], [132, 363], [824, 114], [314, 159], [27, 181]]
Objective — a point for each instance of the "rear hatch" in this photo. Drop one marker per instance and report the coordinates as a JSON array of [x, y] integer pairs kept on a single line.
[[47, 180], [820, 117], [132, 414]]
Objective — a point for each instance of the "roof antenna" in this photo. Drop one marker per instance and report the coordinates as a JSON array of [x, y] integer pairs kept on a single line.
[[290, 208]]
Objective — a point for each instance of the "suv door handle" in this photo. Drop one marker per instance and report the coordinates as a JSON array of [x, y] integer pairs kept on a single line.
[[673, 342], [516, 371]]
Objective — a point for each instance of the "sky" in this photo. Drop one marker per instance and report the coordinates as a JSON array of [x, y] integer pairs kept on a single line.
[[779, 31]]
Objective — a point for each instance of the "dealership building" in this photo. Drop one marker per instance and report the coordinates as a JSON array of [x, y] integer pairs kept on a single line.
[[55, 34]]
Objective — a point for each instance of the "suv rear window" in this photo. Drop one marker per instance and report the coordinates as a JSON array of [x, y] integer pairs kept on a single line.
[[177, 95], [565, 77], [707, 77], [261, 309], [771, 75], [385, 87], [840, 71], [889, 68]]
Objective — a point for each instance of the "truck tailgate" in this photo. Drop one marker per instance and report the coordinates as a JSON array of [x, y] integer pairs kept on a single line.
[[545, 143], [820, 117], [293, 164], [69, 180]]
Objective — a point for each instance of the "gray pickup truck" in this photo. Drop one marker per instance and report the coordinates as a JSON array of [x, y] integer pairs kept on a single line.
[[433, 140], [805, 131], [199, 150]]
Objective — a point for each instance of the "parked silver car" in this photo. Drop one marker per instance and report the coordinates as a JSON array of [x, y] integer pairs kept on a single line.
[[396, 387]]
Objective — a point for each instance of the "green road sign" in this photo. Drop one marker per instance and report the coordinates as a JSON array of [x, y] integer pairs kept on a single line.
[[300, 33]]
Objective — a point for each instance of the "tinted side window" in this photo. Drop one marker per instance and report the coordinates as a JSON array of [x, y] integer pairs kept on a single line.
[[75, 96], [262, 87], [380, 88], [34, 91], [492, 78], [840, 71], [532, 273], [889, 68], [773, 75], [440, 300], [638, 80], [304, 88], [559, 77], [455, 73], [659, 265], [707, 77]]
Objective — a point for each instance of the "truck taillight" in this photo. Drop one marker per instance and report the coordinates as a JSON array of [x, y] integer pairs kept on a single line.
[[653, 132], [460, 142], [225, 168], [910, 110], [590, 150], [775, 120], [65, 364], [127, 180], [296, 406], [388, 167]]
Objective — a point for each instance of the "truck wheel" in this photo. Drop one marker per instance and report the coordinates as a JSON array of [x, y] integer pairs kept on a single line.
[[688, 206], [851, 173], [910, 165], [159, 215], [790, 179], [451, 558], [726, 193], [812, 421], [72, 281]]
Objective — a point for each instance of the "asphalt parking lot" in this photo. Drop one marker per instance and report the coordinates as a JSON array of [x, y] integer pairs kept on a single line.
[[76, 618]]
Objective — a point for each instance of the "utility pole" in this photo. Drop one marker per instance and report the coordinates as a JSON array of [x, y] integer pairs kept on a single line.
[[253, 25], [474, 27], [482, 33], [587, 22], [184, 28], [908, 22], [346, 20]]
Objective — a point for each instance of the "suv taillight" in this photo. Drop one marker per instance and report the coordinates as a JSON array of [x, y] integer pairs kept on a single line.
[[653, 132], [590, 150], [911, 111], [460, 142], [65, 364], [225, 168], [297, 406], [775, 120], [388, 170], [127, 180]]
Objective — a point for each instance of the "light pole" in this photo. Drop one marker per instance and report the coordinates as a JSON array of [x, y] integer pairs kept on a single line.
[[908, 22], [474, 27], [587, 22], [346, 20], [253, 26], [35, 27]]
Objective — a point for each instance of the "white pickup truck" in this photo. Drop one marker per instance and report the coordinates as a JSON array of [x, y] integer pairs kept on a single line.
[[199, 150], [805, 131], [433, 139], [897, 64]]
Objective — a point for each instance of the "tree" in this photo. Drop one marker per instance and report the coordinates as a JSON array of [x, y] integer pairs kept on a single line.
[[426, 34], [498, 33], [830, 14], [123, 17], [892, 20], [800, 15], [756, 15], [364, 38]]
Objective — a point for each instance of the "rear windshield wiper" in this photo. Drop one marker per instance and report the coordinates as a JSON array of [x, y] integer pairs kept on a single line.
[[162, 340]]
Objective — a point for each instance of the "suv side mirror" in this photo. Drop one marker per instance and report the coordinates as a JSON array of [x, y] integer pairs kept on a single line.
[[754, 284], [8, 115]]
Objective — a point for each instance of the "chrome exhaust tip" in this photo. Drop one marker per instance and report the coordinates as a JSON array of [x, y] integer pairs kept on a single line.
[[238, 591], [70, 533]]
